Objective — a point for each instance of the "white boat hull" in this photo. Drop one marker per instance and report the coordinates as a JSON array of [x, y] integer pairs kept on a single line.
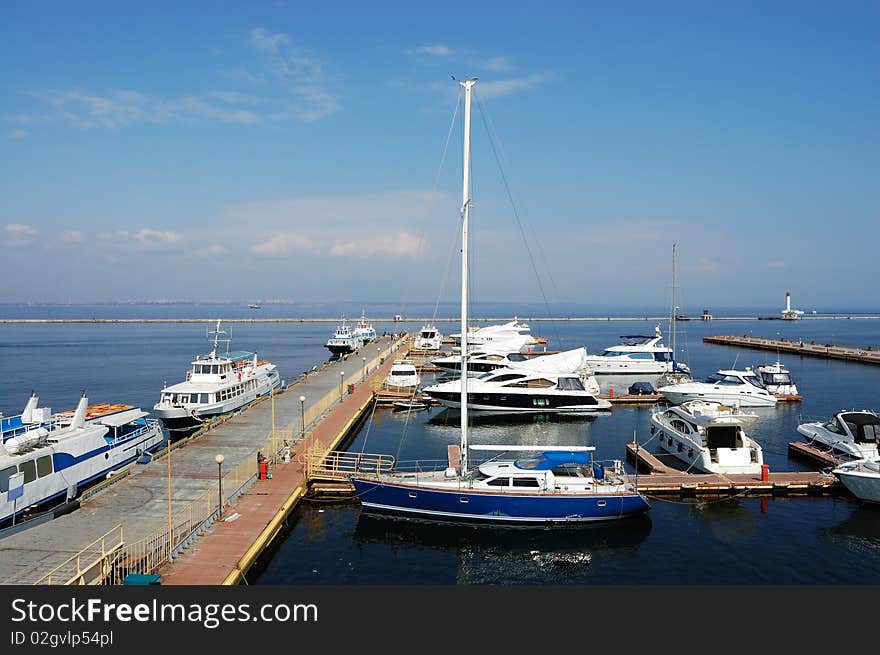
[[863, 484], [731, 399]]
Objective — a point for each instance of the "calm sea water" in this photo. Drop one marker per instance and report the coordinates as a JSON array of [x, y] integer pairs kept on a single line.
[[742, 541]]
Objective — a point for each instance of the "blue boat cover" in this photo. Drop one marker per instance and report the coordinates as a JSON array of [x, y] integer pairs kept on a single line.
[[548, 460]]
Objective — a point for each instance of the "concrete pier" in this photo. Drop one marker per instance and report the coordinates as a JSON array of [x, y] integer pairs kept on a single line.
[[139, 502]]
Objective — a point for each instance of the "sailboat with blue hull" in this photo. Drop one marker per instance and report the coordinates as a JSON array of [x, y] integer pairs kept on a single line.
[[541, 485]]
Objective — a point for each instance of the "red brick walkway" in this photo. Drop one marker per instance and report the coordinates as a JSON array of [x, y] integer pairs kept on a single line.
[[215, 556]]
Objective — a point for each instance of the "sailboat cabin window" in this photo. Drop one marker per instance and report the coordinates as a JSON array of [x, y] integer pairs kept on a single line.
[[526, 482], [499, 482]]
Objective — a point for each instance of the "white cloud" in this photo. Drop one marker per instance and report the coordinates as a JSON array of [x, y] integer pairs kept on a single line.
[[145, 239], [399, 245], [17, 134], [21, 231], [497, 64], [291, 81], [435, 50], [73, 236], [499, 88], [341, 226], [284, 243]]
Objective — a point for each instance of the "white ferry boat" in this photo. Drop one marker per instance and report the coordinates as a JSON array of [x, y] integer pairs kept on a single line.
[[57, 456], [215, 385], [343, 340], [364, 331]]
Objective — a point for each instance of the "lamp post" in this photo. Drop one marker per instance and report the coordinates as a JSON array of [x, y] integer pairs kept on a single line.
[[219, 460], [274, 444], [341, 377], [364, 374], [302, 414]]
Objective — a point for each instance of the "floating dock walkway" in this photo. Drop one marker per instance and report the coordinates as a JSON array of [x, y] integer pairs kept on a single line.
[[663, 480], [865, 355]]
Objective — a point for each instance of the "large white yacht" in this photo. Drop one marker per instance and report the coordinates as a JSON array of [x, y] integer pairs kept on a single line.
[[708, 437], [429, 339], [216, 384], [58, 455], [403, 375], [637, 354], [851, 434], [492, 336], [728, 387], [518, 390], [479, 361]]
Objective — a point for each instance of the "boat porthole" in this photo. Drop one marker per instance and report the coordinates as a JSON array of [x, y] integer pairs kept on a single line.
[[413, 494], [464, 500], [106, 455], [601, 503]]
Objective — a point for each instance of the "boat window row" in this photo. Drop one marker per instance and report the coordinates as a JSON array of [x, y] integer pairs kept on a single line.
[[237, 390], [514, 482], [536, 383], [32, 469], [210, 369]]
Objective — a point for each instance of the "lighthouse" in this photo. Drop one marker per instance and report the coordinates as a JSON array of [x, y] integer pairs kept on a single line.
[[789, 314]]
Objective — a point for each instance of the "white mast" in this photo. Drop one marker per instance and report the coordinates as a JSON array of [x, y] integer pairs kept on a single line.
[[672, 326], [465, 210]]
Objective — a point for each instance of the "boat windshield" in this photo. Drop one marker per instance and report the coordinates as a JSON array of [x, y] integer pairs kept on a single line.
[[776, 378], [753, 380]]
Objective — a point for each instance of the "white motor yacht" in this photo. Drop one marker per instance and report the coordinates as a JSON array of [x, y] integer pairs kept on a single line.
[[515, 390], [429, 339], [709, 437], [479, 361], [637, 354], [728, 387], [776, 379], [216, 384], [403, 375], [862, 478], [851, 434]]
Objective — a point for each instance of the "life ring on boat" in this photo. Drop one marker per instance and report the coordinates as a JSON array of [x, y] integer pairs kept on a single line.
[[239, 376], [188, 374]]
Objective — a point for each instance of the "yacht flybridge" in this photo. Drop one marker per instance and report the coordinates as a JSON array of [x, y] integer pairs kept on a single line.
[[216, 384], [637, 354]]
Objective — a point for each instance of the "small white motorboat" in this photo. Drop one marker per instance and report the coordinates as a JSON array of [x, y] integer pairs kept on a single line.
[[851, 434], [862, 478]]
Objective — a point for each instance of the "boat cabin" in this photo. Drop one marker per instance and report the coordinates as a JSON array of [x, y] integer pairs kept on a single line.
[[860, 427]]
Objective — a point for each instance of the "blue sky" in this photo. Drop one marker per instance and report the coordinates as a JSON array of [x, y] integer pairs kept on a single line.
[[291, 150]]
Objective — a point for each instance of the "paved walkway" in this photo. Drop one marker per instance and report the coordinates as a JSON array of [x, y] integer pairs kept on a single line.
[[215, 556], [140, 501]]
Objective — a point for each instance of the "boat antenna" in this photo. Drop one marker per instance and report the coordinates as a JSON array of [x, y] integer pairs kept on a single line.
[[465, 214]]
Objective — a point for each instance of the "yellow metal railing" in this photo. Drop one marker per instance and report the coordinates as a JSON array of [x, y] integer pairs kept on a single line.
[[339, 465], [91, 565]]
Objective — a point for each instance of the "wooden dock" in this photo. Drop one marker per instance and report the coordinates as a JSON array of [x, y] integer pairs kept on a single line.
[[633, 399], [805, 450], [865, 355], [664, 480]]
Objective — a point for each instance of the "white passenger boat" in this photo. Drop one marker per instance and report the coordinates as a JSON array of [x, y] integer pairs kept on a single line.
[[363, 331], [708, 437], [343, 340], [849, 434], [216, 384], [59, 455], [728, 387]]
